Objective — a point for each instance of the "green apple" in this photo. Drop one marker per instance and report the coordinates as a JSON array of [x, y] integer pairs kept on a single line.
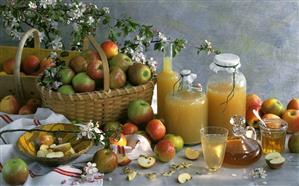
[[106, 160], [140, 112], [83, 83], [122, 61], [111, 126], [293, 143], [139, 74], [177, 141], [66, 89], [66, 75], [15, 172]]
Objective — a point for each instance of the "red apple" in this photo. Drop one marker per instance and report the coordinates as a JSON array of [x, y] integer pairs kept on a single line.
[[129, 128], [78, 64], [10, 105], [95, 69], [140, 112], [293, 104], [156, 129], [83, 83], [118, 78], [110, 48], [30, 107], [164, 150], [253, 101], [90, 55], [44, 64], [106, 160], [292, 118], [9, 66], [30, 64]]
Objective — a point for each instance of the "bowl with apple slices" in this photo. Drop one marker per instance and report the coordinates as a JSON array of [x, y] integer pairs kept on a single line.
[[56, 147]]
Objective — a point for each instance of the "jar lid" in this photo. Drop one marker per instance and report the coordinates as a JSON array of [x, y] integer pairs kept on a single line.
[[225, 61]]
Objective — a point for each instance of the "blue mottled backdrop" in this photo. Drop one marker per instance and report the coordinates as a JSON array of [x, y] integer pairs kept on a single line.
[[265, 34]]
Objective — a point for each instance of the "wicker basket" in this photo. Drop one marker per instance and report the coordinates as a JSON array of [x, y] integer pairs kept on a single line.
[[23, 86], [106, 105]]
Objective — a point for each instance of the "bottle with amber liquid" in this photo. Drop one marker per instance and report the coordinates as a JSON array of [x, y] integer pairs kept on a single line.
[[242, 148], [165, 79]]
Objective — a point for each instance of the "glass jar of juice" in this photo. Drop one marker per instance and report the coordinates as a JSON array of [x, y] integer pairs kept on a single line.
[[165, 79], [186, 109], [226, 91]]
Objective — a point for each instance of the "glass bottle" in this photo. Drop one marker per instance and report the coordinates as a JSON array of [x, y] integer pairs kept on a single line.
[[165, 79], [186, 109], [241, 150], [226, 90]]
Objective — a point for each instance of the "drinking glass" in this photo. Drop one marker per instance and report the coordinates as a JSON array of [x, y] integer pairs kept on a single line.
[[273, 135], [213, 141]]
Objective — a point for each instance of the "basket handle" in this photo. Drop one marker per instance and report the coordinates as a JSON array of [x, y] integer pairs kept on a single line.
[[18, 85], [92, 40]]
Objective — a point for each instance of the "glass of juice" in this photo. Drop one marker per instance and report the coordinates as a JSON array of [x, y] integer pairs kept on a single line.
[[273, 135], [213, 141]]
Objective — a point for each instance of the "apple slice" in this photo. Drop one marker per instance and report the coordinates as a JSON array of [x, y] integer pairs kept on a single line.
[[131, 175], [191, 154], [123, 159], [44, 147], [42, 153], [274, 160], [146, 161], [58, 154], [70, 152], [64, 147], [184, 177]]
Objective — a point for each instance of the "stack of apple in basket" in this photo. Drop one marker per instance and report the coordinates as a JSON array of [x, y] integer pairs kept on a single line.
[[88, 87]]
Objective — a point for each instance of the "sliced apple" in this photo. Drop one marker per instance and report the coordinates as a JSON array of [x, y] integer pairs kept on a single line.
[[274, 160], [64, 147], [131, 175], [192, 154], [70, 152], [43, 147], [146, 161], [42, 153], [58, 154], [184, 177], [123, 159]]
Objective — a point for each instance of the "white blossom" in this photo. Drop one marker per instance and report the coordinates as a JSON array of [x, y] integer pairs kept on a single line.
[[91, 131], [56, 43], [90, 20], [45, 3], [162, 37], [90, 173], [32, 5], [76, 10], [76, 27], [106, 10], [152, 63]]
